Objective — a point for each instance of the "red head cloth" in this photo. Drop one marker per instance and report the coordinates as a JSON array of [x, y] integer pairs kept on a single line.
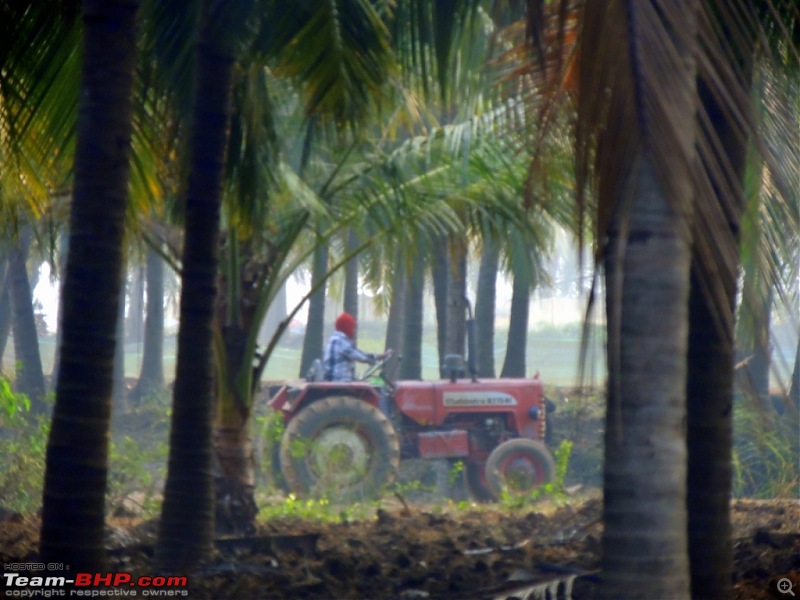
[[346, 323]]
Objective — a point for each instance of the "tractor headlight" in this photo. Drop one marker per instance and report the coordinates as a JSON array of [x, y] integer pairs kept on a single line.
[[533, 413]]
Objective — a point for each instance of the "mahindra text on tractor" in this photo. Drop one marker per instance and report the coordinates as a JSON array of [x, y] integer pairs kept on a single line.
[[338, 442]]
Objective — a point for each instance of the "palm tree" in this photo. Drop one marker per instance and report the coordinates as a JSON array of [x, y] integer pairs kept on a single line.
[[5, 310], [186, 528], [654, 192], [134, 323], [350, 295], [748, 234], [118, 387], [646, 220], [440, 276], [77, 449], [305, 48], [523, 283], [395, 320], [515, 363], [30, 377], [151, 376], [456, 294], [313, 341], [485, 301], [794, 387], [413, 300]]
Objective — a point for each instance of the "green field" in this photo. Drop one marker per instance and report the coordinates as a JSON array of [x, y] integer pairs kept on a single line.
[[554, 352]]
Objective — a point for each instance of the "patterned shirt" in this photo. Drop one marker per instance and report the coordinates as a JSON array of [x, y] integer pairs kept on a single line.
[[340, 357]]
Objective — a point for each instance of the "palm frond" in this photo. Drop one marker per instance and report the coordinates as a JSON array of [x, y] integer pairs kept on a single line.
[[38, 98], [337, 51]]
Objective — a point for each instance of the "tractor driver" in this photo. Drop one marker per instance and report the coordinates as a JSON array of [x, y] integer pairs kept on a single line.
[[342, 354]]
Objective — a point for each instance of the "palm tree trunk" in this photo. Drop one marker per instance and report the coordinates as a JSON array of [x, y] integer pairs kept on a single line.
[[485, 304], [77, 449], [5, 311], [709, 393], [235, 475], [516, 359], [395, 322], [30, 376], [440, 276], [118, 390], [647, 155], [314, 340], [134, 325], [710, 378], [794, 388], [151, 376], [456, 298], [63, 252], [411, 366], [234, 465], [187, 518], [351, 277], [645, 553]]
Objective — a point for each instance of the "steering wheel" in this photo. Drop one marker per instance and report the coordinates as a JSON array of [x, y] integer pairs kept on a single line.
[[376, 367]]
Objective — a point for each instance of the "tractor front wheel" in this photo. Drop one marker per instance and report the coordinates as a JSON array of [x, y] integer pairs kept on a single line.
[[518, 467], [340, 447], [475, 482]]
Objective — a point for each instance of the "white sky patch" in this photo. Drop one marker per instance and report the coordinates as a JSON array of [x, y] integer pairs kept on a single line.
[[46, 293]]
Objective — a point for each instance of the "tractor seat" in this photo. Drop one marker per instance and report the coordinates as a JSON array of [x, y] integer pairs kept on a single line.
[[316, 372]]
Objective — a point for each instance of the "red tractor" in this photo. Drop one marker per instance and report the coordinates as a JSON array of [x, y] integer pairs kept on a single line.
[[339, 442]]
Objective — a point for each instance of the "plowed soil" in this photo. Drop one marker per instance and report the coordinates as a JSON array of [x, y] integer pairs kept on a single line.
[[426, 551]]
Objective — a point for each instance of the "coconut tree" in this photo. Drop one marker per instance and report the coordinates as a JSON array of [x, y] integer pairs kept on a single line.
[[30, 377], [336, 72], [485, 301], [185, 533], [350, 294], [151, 376], [75, 479], [315, 325], [526, 273], [439, 277], [515, 363], [297, 224], [119, 387], [520, 250], [5, 310], [38, 58], [45, 51], [794, 387], [653, 191], [735, 36], [413, 301], [646, 203], [396, 317]]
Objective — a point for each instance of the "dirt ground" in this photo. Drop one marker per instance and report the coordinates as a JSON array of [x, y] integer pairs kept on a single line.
[[418, 552]]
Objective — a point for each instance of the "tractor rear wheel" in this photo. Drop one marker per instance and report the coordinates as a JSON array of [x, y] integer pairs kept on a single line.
[[278, 480], [518, 467], [340, 447]]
